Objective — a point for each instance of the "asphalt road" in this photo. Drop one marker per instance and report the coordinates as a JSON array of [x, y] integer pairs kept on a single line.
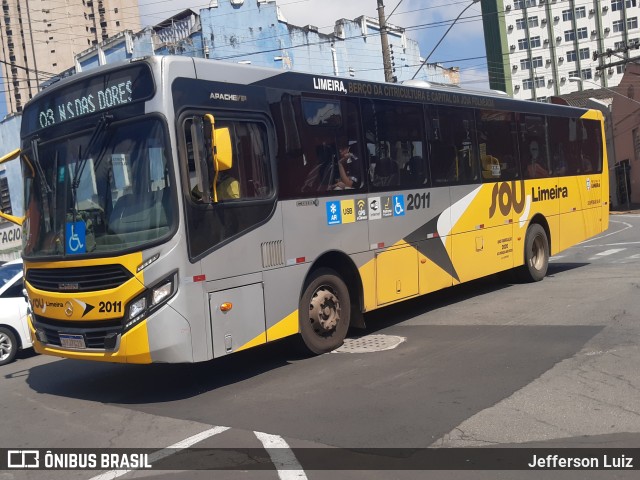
[[488, 364]]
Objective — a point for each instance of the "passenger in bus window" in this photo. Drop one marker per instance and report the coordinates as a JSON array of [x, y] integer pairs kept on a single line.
[[349, 171], [535, 166], [228, 187], [559, 164], [585, 164]]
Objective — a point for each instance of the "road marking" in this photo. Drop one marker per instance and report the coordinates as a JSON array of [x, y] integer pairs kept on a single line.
[[612, 244], [627, 226], [556, 257], [282, 456], [635, 257], [160, 454], [606, 253]]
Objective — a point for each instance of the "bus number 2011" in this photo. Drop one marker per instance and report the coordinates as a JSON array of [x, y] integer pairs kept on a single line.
[[416, 201], [108, 307]]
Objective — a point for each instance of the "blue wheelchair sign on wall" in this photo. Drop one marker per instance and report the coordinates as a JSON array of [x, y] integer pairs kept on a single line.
[[76, 237]]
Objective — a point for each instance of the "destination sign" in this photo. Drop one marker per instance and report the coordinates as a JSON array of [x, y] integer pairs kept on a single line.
[[91, 95]]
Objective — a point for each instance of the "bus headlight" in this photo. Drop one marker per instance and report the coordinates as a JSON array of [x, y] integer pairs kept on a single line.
[[137, 307], [150, 300], [159, 294]]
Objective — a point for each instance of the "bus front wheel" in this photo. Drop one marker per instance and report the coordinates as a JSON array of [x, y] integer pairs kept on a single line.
[[536, 254], [324, 312]]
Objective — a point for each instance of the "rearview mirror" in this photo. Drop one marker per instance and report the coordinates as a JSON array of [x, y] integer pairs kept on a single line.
[[12, 218]]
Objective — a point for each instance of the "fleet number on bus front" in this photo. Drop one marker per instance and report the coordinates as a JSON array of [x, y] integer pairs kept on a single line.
[[108, 307], [416, 201]]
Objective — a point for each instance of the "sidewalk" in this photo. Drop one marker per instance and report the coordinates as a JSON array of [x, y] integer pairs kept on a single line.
[[634, 208]]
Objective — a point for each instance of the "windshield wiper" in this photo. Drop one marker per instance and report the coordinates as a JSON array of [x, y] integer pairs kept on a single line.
[[36, 161], [100, 128]]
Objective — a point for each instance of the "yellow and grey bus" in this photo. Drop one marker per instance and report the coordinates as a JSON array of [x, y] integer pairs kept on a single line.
[[180, 209]]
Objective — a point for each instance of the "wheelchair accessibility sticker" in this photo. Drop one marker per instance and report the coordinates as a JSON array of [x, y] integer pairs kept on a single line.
[[76, 237], [398, 205]]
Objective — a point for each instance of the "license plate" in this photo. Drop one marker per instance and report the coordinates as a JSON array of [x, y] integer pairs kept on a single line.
[[72, 341]]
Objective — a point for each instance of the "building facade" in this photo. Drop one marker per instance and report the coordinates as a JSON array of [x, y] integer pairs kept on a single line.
[[534, 47], [40, 38], [255, 32], [626, 134]]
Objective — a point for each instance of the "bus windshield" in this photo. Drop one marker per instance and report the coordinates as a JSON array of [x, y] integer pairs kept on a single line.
[[106, 189]]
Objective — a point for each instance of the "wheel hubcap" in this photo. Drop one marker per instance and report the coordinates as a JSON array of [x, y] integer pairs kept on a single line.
[[324, 311], [5, 346], [537, 253]]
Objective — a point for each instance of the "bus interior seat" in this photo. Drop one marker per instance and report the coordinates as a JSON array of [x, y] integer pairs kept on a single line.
[[443, 161], [135, 212], [386, 173], [414, 172], [490, 167]]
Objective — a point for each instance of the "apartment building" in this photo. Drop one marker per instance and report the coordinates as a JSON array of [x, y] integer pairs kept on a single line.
[[40, 38], [540, 48]]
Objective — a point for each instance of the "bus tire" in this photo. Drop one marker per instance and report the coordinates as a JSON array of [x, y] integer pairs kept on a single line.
[[536, 254], [324, 312], [8, 346]]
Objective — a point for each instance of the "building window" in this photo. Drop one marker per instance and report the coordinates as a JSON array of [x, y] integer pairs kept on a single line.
[[520, 24], [571, 56], [541, 99], [619, 45], [620, 69], [527, 84], [523, 44], [535, 42], [567, 15], [525, 64], [518, 4], [618, 25], [582, 33], [569, 35], [632, 23], [539, 82], [631, 3], [581, 12], [584, 53], [536, 62], [616, 5], [574, 73], [533, 22], [585, 73], [636, 143], [530, 3]]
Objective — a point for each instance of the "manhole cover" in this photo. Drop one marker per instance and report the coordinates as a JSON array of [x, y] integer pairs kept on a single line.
[[370, 343]]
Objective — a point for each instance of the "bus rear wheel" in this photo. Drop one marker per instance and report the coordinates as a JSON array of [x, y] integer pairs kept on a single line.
[[324, 312], [536, 254]]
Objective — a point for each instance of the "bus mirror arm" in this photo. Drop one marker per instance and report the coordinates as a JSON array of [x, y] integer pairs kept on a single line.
[[221, 151]]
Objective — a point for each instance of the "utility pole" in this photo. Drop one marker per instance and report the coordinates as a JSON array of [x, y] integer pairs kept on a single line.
[[386, 56]]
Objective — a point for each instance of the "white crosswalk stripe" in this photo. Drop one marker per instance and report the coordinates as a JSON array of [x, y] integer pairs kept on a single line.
[[606, 253]]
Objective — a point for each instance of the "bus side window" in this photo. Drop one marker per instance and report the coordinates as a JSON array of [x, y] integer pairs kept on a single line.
[[248, 178], [395, 144], [534, 147], [498, 145], [560, 147], [453, 145]]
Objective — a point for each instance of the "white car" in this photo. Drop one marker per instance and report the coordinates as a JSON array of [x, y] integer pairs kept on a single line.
[[14, 331]]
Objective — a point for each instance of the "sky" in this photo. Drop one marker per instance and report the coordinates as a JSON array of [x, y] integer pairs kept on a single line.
[[421, 18], [426, 22]]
